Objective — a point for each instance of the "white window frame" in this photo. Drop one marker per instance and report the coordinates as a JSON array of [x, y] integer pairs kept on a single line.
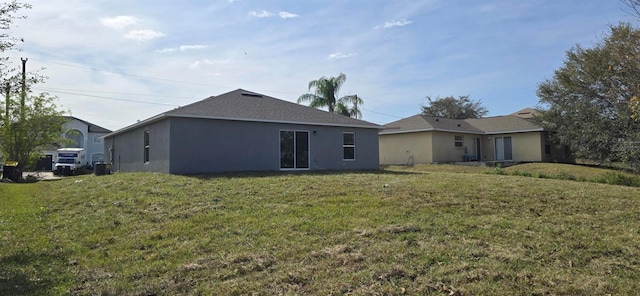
[[350, 146], [458, 142]]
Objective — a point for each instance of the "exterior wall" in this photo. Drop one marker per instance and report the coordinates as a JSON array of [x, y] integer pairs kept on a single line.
[[444, 149], [95, 145], [192, 146], [435, 146], [83, 129], [397, 148], [526, 147], [125, 152], [210, 146], [91, 143]]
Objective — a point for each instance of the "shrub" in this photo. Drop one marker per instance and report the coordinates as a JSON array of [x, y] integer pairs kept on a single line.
[[615, 178], [523, 173], [498, 170], [564, 176]]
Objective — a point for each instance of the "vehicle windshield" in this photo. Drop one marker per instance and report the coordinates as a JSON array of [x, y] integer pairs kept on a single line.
[[66, 160]]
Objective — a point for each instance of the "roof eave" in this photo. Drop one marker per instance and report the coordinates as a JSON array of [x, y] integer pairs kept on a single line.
[[165, 115], [372, 126], [515, 131], [463, 132], [136, 125], [432, 130]]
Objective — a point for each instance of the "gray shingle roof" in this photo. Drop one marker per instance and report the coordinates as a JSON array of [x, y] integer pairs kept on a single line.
[[245, 105], [504, 124], [427, 123], [93, 128], [489, 125]]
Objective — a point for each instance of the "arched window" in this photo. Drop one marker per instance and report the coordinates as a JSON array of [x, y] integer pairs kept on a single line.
[[76, 139]]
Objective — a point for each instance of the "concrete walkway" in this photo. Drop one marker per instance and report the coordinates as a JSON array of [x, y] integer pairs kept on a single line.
[[42, 176]]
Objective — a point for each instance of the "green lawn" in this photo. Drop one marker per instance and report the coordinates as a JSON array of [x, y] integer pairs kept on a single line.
[[414, 231]]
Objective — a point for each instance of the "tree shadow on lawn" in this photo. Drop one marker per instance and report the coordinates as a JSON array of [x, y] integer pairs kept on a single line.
[[265, 174], [30, 273]]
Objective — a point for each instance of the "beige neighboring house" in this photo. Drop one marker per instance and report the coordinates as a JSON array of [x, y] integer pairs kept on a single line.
[[511, 138]]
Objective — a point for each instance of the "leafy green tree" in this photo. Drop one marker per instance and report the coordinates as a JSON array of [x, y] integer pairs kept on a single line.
[[23, 139], [325, 94], [9, 12], [588, 102], [28, 123], [634, 102], [450, 107]]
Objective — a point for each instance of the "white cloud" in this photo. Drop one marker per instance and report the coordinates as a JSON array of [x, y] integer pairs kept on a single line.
[[339, 55], [182, 48], [264, 14], [143, 35], [197, 64], [260, 14], [286, 15], [398, 23], [119, 22]]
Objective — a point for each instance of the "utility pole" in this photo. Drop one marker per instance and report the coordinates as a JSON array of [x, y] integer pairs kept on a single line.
[[23, 94]]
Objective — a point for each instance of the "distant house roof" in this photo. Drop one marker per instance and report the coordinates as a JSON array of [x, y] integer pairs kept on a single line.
[[526, 113], [93, 128], [420, 123], [243, 105], [489, 125]]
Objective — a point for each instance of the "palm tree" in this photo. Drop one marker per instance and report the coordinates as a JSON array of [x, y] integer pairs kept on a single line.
[[325, 95], [342, 107]]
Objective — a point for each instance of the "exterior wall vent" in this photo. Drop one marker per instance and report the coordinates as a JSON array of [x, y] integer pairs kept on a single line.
[[248, 94]]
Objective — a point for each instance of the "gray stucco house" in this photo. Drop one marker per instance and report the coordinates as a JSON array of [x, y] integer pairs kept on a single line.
[[243, 131]]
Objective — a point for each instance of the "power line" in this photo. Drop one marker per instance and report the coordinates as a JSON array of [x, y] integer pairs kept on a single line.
[[126, 74], [380, 113], [109, 92], [69, 91], [187, 82]]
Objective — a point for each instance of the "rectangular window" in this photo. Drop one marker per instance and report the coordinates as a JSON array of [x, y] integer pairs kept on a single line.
[[348, 146], [547, 148], [294, 149], [146, 146], [458, 141]]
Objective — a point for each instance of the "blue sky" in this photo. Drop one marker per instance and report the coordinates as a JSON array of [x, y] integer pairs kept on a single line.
[[115, 62]]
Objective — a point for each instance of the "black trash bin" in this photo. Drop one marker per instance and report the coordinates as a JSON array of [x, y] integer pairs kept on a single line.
[[11, 171], [99, 169]]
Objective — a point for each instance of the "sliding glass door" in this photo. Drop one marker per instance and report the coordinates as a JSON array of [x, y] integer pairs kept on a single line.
[[503, 148], [294, 149]]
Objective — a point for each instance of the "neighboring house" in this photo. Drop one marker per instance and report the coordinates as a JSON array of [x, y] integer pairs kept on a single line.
[[80, 134], [424, 139], [243, 131]]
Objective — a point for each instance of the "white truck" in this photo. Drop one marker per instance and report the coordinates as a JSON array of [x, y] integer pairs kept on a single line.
[[68, 161]]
